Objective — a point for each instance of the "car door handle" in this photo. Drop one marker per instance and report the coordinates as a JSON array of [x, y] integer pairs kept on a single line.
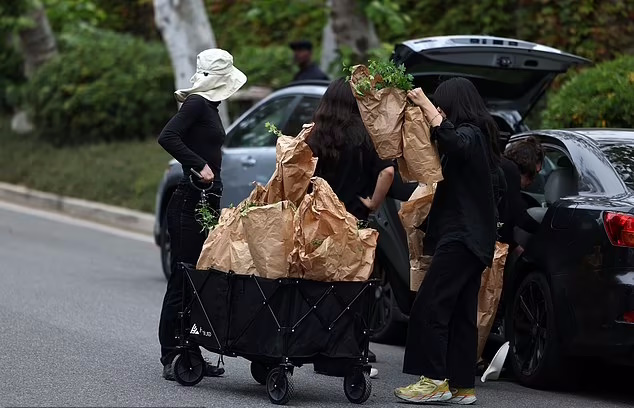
[[248, 161]]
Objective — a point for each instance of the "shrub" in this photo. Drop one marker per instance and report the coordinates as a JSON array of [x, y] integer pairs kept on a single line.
[[602, 96], [11, 72], [103, 87]]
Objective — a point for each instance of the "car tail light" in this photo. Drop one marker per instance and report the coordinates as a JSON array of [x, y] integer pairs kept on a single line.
[[620, 228], [629, 317]]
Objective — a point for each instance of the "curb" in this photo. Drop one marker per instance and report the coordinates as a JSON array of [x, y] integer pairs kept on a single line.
[[118, 217]]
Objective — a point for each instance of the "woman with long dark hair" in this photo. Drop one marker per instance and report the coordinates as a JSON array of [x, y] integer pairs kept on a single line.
[[461, 233], [348, 161], [194, 137]]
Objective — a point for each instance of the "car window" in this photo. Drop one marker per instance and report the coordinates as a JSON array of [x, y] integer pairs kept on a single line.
[[252, 131], [553, 159], [302, 114], [621, 156]]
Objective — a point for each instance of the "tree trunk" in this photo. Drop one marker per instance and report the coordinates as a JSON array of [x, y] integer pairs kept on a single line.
[[186, 31], [353, 29], [37, 43], [328, 44]]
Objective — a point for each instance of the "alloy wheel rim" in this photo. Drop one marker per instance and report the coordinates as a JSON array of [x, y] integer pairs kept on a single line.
[[530, 323]]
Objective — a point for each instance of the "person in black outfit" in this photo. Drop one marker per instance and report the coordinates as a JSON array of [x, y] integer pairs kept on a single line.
[[194, 137], [347, 159], [303, 55], [461, 234]]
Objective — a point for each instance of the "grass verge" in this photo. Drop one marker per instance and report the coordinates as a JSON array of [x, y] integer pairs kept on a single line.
[[124, 173]]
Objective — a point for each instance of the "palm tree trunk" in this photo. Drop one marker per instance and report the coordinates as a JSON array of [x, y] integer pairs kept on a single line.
[[37, 43]]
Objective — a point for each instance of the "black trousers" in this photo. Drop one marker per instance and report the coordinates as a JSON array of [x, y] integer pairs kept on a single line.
[[442, 338], [187, 239]]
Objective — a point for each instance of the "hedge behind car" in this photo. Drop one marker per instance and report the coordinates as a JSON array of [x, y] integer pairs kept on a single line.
[[103, 86], [602, 96]]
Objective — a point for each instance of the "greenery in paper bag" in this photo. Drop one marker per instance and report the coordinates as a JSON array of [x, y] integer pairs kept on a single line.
[[206, 217], [273, 129], [386, 74]]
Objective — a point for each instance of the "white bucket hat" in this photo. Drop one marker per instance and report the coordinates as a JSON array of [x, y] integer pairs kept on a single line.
[[215, 79]]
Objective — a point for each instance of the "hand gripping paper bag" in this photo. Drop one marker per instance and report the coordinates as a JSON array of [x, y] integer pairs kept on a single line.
[[329, 246], [382, 112], [269, 235], [412, 214], [490, 293], [421, 161]]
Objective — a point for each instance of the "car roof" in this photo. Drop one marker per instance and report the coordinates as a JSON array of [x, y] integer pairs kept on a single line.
[[596, 135]]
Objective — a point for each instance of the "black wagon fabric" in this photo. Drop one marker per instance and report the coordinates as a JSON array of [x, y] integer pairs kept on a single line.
[[264, 319]]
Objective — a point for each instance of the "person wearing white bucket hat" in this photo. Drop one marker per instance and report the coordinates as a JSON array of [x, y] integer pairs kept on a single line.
[[194, 137]]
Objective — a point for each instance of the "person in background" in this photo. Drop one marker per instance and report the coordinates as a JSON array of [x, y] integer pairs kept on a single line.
[[303, 55], [461, 233], [348, 160], [538, 183], [194, 137]]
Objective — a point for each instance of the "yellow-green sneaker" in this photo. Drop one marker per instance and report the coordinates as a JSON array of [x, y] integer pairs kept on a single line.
[[424, 391], [463, 396]]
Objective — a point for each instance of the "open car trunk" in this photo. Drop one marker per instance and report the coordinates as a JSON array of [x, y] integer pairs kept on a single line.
[[511, 75]]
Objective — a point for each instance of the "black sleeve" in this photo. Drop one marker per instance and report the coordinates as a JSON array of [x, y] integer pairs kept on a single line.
[[173, 134], [515, 204], [452, 141]]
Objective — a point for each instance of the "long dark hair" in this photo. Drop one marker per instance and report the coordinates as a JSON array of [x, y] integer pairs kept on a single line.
[[338, 123], [461, 102]]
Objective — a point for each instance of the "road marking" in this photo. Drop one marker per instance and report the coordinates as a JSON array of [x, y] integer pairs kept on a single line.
[[65, 219]]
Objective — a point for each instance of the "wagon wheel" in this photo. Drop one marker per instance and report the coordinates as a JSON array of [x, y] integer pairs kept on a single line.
[[189, 368], [357, 386], [279, 385], [259, 372]]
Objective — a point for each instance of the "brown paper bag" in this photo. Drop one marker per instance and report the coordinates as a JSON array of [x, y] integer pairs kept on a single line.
[[382, 113], [269, 235], [412, 215], [295, 167], [258, 195], [490, 293], [329, 246], [420, 156]]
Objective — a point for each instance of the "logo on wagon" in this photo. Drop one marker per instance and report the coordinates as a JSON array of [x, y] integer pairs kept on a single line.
[[199, 330], [194, 330]]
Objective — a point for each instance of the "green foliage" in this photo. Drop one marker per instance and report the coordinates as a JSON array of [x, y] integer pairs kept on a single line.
[[602, 96], [103, 87], [270, 66], [273, 129], [387, 13], [11, 72], [13, 15], [64, 14], [121, 173], [383, 74], [206, 216]]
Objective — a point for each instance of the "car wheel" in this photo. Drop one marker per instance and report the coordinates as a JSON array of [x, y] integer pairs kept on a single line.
[[387, 327], [535, 354], [166, 248]]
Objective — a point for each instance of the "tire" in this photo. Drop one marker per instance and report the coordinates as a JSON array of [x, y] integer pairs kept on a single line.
[[535, 354], [189, 368], [166, 248], [387, 328], [279, 385], [357, 386], [259, 372]]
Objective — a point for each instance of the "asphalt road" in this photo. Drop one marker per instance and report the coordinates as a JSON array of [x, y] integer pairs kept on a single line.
[[79, 306]]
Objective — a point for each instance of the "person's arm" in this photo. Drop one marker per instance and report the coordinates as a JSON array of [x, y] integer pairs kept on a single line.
[[383, 184], [171, 138], [451, 141]]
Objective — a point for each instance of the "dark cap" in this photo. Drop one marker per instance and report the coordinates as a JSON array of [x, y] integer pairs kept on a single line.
[[301, 45]]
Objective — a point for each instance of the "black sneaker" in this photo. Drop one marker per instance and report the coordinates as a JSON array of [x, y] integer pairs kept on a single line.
[[371, 357], [213, 370], [168, 372]]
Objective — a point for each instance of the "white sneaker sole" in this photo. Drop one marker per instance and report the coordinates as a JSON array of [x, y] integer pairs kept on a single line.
[[437, 397], [463, 400]]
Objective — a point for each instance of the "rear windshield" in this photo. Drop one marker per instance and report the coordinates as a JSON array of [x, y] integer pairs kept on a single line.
[[622, 158]]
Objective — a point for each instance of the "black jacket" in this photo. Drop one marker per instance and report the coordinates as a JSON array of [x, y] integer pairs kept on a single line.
[[311, 72], [464, 207]]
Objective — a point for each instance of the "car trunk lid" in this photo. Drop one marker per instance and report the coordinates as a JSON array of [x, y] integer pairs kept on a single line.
[[509, 74]]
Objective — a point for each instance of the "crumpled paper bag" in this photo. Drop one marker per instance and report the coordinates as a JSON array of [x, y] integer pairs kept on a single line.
[[226, 249], [382, 112], [269, 235], [412, 214], [329, 246], [421, 161], [294, 169], [490, 294]]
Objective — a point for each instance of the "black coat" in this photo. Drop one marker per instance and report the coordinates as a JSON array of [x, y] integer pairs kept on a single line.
[[464, 207]]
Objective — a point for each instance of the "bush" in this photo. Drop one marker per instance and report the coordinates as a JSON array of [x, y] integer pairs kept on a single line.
[[11, 72], [103, 87], [602, 96]]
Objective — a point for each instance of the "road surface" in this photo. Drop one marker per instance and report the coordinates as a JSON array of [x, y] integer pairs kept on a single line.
[[79, 307]]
